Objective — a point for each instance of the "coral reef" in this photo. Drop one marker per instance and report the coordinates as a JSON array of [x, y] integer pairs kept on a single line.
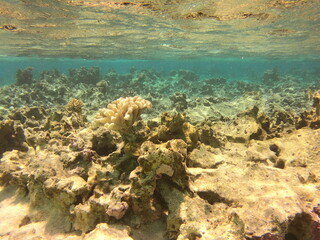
[[175, 127], [85, 75], [102, 85], [179, 102], [24, 76], [271, 77], [11, 136], [121, 113], [316, 103], [50, 75], [157, 161], [240, 163]]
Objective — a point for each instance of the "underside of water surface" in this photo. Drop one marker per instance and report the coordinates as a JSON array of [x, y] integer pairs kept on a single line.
[[160, 29]]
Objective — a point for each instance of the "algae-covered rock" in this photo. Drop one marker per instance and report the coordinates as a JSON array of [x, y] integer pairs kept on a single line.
[[211, 136], [24, 76], [175, 127], [104, 141], [179, 101], [205, 157], [268, 200], [253, 190], [85, 75], [233, 167], [66, 190], [11, 136], [12, 166], [84, 216], [242, 129], [155, 162], [191, 217], [101, 207]]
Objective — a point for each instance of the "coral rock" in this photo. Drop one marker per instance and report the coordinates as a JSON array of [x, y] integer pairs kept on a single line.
[[24, 76], [175, 127], [155, 162], [121, 113], [114, 232], [11, 137], [205, 157]]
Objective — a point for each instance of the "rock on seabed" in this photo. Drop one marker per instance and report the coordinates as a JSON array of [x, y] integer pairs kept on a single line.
[[250, 176]]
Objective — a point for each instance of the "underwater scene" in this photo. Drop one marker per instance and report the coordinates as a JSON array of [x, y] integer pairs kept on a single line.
[[160, 120]]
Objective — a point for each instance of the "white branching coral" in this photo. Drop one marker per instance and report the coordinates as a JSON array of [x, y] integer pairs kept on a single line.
[[121, 114]]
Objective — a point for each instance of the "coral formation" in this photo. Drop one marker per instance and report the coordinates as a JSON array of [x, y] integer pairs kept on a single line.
[[271, 77], [240, 163], [102, 85], [156, 162], [179, 101], [11, 136], [50, 75], [175, 127], [74, 105], [85, 75], [121, 114], [316, 103], [24, 76]]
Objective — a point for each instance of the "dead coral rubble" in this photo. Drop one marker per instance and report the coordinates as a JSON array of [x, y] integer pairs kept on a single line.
[[85, 75], [11, 136], [248, 176], [24, 76], [234, 190], [157, 161]]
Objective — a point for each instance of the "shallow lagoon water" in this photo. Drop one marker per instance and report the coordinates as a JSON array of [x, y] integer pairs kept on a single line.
[[222, 142], [230, 68]]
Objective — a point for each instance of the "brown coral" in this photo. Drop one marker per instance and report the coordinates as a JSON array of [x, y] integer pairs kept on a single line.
[[74, 105]]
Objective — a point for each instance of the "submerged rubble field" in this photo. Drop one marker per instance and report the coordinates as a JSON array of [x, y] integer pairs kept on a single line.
[[152, 155]]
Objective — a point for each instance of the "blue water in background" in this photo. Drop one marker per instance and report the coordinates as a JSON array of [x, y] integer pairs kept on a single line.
[[250, 69]]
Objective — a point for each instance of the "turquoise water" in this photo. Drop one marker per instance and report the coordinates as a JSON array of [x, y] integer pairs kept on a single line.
[[237, 117], [230, 38], [233, 69]]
